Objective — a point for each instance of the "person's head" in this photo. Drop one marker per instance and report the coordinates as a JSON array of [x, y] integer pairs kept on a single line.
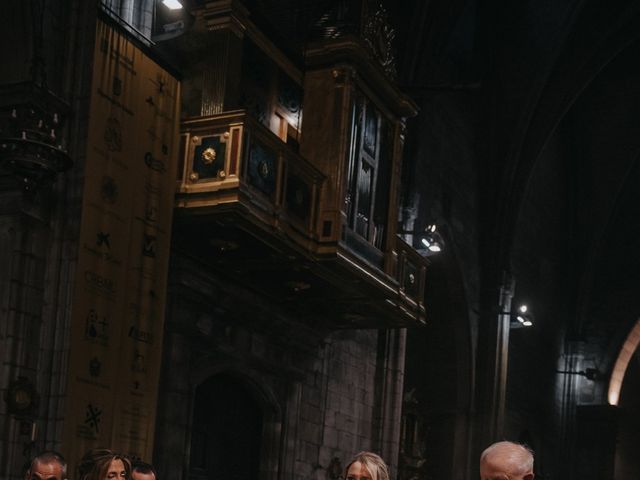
[[366, 466], [506, 461], [104, 464], [47, 465], [142, 471]]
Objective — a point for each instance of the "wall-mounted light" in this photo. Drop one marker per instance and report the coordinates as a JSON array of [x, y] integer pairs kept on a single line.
[[172, 4], [521, 317], [432, 240]]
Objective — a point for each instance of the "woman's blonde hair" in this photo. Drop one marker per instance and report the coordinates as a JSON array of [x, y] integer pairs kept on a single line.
[[373, 463]]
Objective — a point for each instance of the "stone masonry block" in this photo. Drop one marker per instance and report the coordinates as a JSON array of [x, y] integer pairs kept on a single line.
[[346, 441], [331, 438]]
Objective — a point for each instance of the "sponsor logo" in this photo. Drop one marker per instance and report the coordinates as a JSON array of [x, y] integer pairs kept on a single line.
[[103, 239], [92, 417], [139, 335], [99, 284], [114, 101], [102, 248], [138, 364], [113, 135], [153, 163], [151, 213], [149, 245], [109, 190], [160, 84], [95, 367], [96, 328], [151, 189]]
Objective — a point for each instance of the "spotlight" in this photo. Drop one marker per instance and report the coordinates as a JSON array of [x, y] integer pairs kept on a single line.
[[432, 240], [520, 318]]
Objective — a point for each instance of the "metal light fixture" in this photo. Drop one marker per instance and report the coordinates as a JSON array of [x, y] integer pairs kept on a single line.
[[521, 318], [30, 145], [432, 240]]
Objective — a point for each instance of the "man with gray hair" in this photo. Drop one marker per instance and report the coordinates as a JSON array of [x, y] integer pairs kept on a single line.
[[506, 461], [47, 465]]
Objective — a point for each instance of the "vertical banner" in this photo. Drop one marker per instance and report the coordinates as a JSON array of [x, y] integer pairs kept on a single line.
[[120, 289]]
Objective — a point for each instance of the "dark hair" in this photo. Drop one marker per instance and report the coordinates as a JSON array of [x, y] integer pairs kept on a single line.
[[138, 465], [50, 456]]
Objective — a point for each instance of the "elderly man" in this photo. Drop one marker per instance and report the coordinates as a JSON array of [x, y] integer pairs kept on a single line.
[[142, 471], [47, 465], [506, 461]]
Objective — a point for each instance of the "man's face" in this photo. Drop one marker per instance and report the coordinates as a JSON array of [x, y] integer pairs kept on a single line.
[[44, 471], [135, 475]]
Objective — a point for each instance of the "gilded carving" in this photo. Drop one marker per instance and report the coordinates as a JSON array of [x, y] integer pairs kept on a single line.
[[379, 36], [208, 156]]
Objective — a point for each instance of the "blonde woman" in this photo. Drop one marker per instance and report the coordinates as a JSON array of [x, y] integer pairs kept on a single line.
[[367, 466]]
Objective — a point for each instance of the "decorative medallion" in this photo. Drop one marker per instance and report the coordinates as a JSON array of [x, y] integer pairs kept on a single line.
[[208, 156], [109, 190], [113, 135]]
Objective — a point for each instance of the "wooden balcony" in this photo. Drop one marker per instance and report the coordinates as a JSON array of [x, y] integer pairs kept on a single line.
[[251, 207], [231, 161]]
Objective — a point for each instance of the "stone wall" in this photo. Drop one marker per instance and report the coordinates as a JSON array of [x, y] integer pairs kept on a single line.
[[325, 395]]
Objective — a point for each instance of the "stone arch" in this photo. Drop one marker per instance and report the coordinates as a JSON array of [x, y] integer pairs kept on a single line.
[[625, 354], [255, 404]]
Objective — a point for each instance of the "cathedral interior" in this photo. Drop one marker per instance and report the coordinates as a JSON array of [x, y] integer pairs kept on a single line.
[[247, 239]]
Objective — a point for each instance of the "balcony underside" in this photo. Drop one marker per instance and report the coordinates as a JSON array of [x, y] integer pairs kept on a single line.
[[333, 291]]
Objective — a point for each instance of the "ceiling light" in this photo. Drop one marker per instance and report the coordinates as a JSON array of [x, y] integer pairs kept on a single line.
[[522, 308], [172, 4], [434, 247], [527, 323]]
